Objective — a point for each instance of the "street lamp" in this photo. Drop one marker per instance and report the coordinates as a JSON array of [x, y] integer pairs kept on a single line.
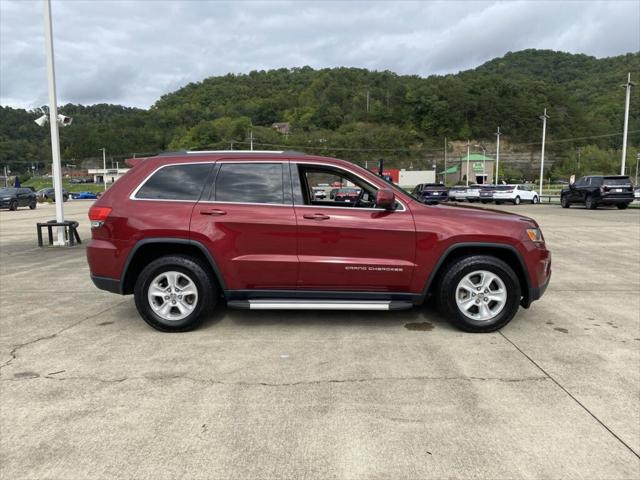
[[104, 167]]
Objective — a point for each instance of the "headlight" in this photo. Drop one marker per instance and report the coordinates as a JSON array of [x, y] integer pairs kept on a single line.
[[535, 235]]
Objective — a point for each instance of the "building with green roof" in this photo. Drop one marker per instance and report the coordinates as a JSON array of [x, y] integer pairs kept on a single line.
[[481, 170]]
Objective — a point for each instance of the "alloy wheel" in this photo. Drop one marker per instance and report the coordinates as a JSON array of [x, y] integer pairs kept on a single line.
[[172, 295], [481, 295]]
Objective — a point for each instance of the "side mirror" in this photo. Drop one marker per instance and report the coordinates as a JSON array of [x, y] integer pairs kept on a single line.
[[385, 198]]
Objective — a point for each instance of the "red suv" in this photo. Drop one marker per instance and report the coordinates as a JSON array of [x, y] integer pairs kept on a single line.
[[182, 231]]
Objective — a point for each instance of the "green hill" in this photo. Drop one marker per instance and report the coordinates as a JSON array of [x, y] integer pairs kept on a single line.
[[355, 113]]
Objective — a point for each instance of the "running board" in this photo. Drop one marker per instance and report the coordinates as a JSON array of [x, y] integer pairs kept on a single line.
[[312, 304]]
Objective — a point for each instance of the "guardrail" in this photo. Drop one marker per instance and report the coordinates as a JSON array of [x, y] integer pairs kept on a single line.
[[555, 198]]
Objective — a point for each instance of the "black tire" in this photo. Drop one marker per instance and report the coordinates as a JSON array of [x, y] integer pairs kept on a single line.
[[455, 272], [516, 201], [590, 203], [13, 205], [197, 272], [498, 203], [622, 206], [33, 205], [485, 201], [564, 201], [535, 200]]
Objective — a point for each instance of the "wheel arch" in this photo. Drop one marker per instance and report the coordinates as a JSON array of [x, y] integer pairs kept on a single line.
[[149, 249], [505, 252]]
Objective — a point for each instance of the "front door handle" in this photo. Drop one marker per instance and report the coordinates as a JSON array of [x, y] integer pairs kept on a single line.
[[316, 216], [213, 212]]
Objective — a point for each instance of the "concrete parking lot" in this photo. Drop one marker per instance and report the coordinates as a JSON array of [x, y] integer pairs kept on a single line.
[[88, 390]]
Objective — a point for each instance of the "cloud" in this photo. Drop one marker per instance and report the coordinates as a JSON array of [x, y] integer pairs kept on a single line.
[[133, 52]]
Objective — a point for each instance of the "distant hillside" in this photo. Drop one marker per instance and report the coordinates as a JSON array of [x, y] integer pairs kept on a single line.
[[355, 113]]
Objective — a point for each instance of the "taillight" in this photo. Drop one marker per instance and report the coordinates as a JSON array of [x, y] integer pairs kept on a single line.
[[98, 215]]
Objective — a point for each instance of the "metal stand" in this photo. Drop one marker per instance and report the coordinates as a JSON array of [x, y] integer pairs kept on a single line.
[[70, 231]]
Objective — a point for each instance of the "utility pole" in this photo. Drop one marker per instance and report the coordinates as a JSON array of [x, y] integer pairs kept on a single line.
[[627, 86], [468, 153], [53, 120], [543, 117], [445, 163], [104, 167], [251, 138], [579, 159], [497, 155], [637, 160], [367, 101], [5, 176]]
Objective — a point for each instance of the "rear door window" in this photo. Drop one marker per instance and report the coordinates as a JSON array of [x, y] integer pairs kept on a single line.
[[176, 182], [250, 183]]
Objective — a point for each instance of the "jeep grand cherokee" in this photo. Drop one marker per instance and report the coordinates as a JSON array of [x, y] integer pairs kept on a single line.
[[183, 231]]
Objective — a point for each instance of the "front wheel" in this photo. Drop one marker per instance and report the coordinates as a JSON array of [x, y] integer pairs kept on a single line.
[[479, 293], [535, 200], [174, 293], [564, 201], [13, 206], [590, 203], [516, 201], [622, 206]]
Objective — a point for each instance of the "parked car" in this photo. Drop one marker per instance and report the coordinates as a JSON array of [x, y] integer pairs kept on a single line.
[[332, 193], [473, 193], [84, 196], [431, 192], [636, 193], [486, 193], [458, 193], [515, 194], [50, 194], [595, 190], [242, 230], [319, 193], [347, 195], [12, 198]]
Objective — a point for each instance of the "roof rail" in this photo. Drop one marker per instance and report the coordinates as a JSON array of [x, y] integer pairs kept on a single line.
[[205, 152]]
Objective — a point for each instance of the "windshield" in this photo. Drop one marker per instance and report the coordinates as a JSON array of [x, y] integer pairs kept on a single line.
[[7, 191], [504, 187]]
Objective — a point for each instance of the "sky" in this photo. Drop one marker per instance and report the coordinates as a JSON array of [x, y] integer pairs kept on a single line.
[[132, 52]]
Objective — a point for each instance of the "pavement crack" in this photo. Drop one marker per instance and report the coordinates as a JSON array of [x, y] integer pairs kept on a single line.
[[14, 351], [207, 381], [570, 395]]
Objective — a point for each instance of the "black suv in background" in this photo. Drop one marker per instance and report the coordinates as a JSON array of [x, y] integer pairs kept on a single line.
[[50, 194], [596, 190], [12, 198], [431, 192]]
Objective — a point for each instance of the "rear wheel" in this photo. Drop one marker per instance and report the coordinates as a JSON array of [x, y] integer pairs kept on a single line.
[[564, 201], [590, 203], [516, 201], [535, 199], [174, 293], [622, 206], [479, 293], [33, 205], [13, 206]]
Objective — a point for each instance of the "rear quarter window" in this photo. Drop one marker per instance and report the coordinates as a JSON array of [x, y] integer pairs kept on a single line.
[[176, 182]]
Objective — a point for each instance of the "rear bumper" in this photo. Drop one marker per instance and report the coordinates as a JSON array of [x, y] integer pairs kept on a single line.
[[615, 200], [112, 285]]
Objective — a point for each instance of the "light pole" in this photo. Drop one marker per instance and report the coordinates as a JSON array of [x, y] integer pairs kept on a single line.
[[444, 179], [468, 153], [53, 116], [627, 86], [543, 117], [637, 160], [104, 167], [497, 155], [484, 158]]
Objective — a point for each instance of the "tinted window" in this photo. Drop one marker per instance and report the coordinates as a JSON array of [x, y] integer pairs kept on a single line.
[[7, 191], [176, 182], [617, 181], [250, 183]]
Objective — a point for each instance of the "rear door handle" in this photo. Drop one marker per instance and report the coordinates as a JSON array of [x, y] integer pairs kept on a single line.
[[316, 216], [213, 212]]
